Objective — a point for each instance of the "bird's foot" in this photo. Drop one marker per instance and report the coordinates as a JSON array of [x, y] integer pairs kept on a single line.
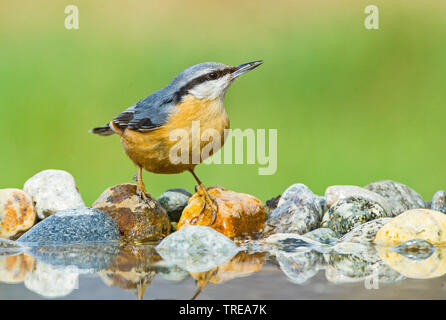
[[209, 202]]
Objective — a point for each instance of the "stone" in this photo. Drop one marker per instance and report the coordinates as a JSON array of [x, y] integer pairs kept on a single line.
[[73, 225], [415, 249], [298, 211], [293, 242], [347, 213], [424, 224], [17, 213], [299, 267], [366, 232], [14, 269], [322, 235], [238, 215], [271, 204], [400, 197], [174, 201], [137, 219], [51, 282], [335, 193], [439, 201], [53, 191], [9, 247], [197, 248]]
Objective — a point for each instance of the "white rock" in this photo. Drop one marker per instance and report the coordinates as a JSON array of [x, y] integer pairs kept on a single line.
[[53, 191]]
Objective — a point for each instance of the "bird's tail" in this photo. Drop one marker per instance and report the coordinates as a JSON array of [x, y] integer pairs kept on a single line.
[[102, 131]]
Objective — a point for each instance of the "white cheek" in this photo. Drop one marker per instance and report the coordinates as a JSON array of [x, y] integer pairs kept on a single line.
[[211, 89]]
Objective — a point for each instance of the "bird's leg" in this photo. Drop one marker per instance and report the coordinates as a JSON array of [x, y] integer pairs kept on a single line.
[[141, 188], [212, 203]]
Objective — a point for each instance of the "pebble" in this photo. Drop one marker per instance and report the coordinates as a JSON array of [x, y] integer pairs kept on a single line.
[[271, 204], [347, 213], [174, 201], [73, 225], [137, 219], [400, 197], [53, 191], [17, 213], [323, 235], [439, 201], [366, 232]]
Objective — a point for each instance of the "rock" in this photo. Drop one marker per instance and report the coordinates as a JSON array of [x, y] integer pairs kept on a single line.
[[299, 267], [335, 193], [366, 232], [239, 214], [9, 247], [271, 204], [415, 249], [322, 235], [292, 242], [14, 269], [174, 201], [413, 224], [400, 197], [439, 201], [17, 213], [323, 203], [50, 282], [73, 225], [299, 211], [197, 248], [347, 213], [137, 219], [53, 191]]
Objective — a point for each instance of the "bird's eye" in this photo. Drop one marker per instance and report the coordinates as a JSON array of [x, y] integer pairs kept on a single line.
[[212, 76]]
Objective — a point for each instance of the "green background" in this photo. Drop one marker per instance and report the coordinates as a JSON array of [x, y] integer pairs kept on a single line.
[[351, 105]]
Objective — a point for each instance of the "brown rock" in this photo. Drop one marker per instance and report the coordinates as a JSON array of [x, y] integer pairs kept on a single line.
[[13, 269], [137, 219], [239, 214], [17, 213]]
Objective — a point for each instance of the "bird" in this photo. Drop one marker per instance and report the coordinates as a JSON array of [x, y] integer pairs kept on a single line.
[[195, 94]]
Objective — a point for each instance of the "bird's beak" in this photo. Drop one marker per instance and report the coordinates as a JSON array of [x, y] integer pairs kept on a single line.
[[245, 67]]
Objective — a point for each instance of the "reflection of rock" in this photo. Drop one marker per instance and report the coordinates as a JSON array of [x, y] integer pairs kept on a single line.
[[439, 201], [74, 225], [239, 214], [51, 282], [323, 235], [365, 233], [299, 266], [293, 242], [53, 191], [197, 248], [432, 267], [10, 247], [347, 213], [400, 197], [173, 273], [14, 269], [174, 201], [298, 211], [17, 213], [413, 224], [415, 249]]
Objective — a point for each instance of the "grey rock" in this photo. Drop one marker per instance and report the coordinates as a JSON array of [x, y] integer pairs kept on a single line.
[[271, 204], [174, 201], [197, 248], [322, 235], [293, 242], [74, 225], [439, 201], [299, 267], [347, 213], [53, 191], [298, 211], [366, 232], [400, 197]]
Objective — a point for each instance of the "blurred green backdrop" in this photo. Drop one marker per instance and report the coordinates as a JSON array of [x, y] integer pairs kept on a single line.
[[351, 105]]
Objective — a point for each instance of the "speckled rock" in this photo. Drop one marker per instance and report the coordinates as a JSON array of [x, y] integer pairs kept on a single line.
[[238, 215], [73, 225], [347, 213], [271, 204], [400, 197], [323, 235], [366, 232], [197, 248], [298, 211], [174, 201], [17, 213], [14, 269], [53, 191], [335, 193], [51, 282], [137, 219], [424, 224], [439, 201]]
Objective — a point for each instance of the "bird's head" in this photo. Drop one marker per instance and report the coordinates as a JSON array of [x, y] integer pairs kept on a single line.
[[208, 80]]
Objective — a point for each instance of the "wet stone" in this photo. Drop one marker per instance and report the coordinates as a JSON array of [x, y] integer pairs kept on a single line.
[[365, 233], [174, 201], [53, 191], [400, 197], [439, 201], [137, 219], [299, 267], [347, 213], [322, 235], [298, 211], [415, 249], [74, 225], [17, 213]]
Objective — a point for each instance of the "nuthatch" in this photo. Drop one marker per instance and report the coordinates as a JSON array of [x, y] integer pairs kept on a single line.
[[196, 94]]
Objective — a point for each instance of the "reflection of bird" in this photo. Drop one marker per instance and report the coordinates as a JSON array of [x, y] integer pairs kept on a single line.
[[196, 94]]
